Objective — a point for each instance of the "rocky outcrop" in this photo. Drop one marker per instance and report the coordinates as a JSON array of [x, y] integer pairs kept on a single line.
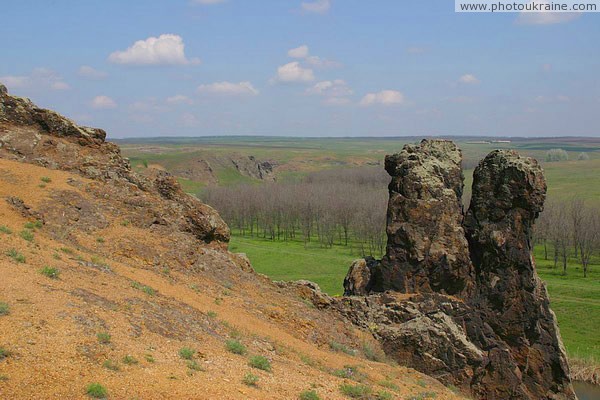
[[43, 137], [249, 166], [461, 301]]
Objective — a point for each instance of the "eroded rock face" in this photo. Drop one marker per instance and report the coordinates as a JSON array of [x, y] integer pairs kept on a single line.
[[38, 136], [496, 337], [427, 250]]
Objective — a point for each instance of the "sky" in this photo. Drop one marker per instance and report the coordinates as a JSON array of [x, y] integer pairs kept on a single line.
[[141, 68]]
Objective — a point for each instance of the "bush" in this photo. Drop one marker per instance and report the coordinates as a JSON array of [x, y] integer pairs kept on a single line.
[[362, 392], [260, 362], [309, 395], [4, 308], [235, 347], [250, 379], [27, 235], [96, 391], [186, 353], [15, 255], [583, 156], [103, 337], [554, 155], [129, 360], [50, 272]]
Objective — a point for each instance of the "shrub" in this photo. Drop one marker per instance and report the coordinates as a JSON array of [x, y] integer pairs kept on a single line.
[[46, 179], [5, 229], [4, 308], [15, 255], [235, 346], [250, 379], [583, 156], [362, 392], [27, 235], [50, 272], [186, 353], [309, 395], [111, 365], [103, 337], [96, 391], [129, 360], [260, 362], [554, 155]]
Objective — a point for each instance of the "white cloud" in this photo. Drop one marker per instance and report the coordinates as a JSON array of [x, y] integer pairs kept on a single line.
[[208, 2], [336, 88], [229, 88], [318, 6], [319, 62], [546, 18], [103, 103], [43, 78], [294, 72], [385, 97], [179, 99], [469, 79], [167, 49], [299, 52], [86, 71]]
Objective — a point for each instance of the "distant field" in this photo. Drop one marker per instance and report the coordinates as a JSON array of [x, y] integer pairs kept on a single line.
[[575, 300]]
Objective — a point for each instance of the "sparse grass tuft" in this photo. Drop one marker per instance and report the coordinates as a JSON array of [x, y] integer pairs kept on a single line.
[[361, 392], [146, 289], [129, 360], [309, 395], [3, 378], [111, 365], [250, 380], [372, 352], [5, 229], [4, 308], [100, 240], [4, 353], [103, 337], [212, 314], [27, 235], [383, 395], [50, 272], [260, 362], [66, 250], [389, 385], [194, 366], [349, 372], [37, 224], [585, 370], [423, 396], [186, 353], [235, 346], [150, 358], [339, 347], [96, 391], [421, 383], [15, 255], [46, 179]]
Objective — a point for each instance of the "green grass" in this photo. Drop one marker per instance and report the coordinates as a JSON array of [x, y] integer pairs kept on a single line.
[[15, 255], [111, 365], [96, 391], [46, 179], [260, 362], [235, 347], [250, 379], [5, 229], [103, 337], [309, 395], [26, 234], [130, 360], [187, 353], [50, 272], [4, 308], [146, 289], [362, 392]]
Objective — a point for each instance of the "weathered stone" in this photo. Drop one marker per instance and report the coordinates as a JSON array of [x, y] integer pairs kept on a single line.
[[358, 280]]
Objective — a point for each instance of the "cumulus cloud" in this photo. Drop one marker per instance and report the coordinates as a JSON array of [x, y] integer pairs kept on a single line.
[[167, 49], [43, 78], [229, 89], [335, 92], [85, 71], [179, 99], [299, 52], [469, 79], [385, 97], [103, 103], [545, 17], [317, 7], [294, 72]]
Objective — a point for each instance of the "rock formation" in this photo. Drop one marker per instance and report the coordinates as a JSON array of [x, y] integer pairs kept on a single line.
[[461, 300]]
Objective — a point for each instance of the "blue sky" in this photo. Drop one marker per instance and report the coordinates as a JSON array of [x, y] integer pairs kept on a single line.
[[303, 68]]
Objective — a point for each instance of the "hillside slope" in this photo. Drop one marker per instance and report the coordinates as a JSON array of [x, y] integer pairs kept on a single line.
[[115, 278]]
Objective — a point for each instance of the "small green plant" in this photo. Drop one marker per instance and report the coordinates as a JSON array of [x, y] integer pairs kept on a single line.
[[46, 179], [111, 365], [125, 222], [3, 378], [423, 396], [56, 256], [212, 314], [100, 239], [339, 347], [186, 353], [235, 346], [103, 337], [349, 372], [42, 185], [96, 391], [50, 272], [421, 383], [389, 385], [260, 362], [373, 353], [37, 224], [218, 301], [195, 288], [16, 256], [27, 235], [4, 308], [194, 366], [356, 391], [4, 353], [145, 163], [309, 395], [146, 289], [5, 229], [250, 380], [66, 250], [383, 395], [129, 360], [150, 358]]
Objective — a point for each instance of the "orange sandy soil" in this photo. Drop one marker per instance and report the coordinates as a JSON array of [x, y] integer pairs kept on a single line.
[[51, 329]]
